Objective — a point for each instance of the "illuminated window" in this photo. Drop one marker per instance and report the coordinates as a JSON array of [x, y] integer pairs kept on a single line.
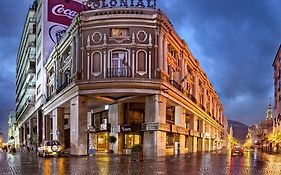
[[169, 139], [119, 32], [131, 140]]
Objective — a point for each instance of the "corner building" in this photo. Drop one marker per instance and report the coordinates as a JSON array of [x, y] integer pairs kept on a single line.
[[125, 72]]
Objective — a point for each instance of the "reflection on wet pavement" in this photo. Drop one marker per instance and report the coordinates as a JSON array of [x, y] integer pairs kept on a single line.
[[252, 163]]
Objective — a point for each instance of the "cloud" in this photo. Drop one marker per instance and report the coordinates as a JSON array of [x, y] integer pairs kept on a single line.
[[235, 42], [12, 16]]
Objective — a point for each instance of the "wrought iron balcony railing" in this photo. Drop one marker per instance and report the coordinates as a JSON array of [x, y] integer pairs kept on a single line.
[[176, 85], [118, 72]]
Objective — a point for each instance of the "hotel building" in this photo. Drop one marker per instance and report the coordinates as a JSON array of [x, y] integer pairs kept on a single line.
[[125, 72]]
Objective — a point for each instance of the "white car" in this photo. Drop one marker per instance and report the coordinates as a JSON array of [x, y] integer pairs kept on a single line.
[[50, 147]]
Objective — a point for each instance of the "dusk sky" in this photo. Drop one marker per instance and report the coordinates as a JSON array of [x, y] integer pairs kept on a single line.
[[235, 42]]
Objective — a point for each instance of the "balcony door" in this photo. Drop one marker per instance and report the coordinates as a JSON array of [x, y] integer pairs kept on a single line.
[[119, 64], [118, 59]]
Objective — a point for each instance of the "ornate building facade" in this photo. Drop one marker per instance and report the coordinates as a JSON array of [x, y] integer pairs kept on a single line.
[[124, 72], [120, 72]]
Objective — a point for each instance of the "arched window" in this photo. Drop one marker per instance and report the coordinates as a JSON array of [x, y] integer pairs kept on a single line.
[[141, 62], [96, 62]]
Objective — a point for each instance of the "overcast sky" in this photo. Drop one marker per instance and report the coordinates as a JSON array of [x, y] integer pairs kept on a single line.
[[235, 42]]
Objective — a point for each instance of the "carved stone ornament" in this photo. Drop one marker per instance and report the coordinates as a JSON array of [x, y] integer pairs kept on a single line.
[[142, 36], [97, 37]]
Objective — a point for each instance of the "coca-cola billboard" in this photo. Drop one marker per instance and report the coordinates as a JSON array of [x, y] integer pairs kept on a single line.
[[58, 15], [62, 11]]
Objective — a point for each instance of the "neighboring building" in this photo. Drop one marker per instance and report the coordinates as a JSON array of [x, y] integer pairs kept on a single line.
[[25, 74], [276, 134], [2, 140], [44, 26], [121, 72], [277, 91], [12, 130]]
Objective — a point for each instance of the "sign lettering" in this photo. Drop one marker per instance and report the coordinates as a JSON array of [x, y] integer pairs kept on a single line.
[[99, 4]]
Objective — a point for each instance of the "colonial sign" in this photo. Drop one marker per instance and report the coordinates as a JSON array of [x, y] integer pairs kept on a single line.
[[98, 4]]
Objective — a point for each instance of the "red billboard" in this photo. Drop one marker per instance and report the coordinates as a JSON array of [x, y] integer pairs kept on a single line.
[[63, 11]]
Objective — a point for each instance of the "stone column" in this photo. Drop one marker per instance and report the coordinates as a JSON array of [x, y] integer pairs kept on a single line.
[[58, 125], [155, 112], [39, 127], [161, 51], [194, 144], [116, 118], [24, 134], [183, 73], [205, 97], [196, 87], [182, 144], [30, 128], [215, 110], [193, 122], [165, 59], [180, 121], [20, 135], [46, 127], [211, 105], [203, 138], [190, 144], [78, 125]]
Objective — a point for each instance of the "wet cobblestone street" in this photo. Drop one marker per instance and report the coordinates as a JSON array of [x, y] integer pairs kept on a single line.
[[207, 163]]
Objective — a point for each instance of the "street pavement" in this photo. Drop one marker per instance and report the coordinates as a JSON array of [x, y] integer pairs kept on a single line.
[[215, 163]]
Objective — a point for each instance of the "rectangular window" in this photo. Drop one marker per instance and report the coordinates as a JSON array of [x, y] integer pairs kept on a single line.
[[38, 74], [119, 32], [131, 140], [170, 115], [38, 89], [198, 125], [169, 139]]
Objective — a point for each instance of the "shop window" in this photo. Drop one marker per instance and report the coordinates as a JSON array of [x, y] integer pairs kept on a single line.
[[119, 32], [169, 139], [131, 140], [102, 142]]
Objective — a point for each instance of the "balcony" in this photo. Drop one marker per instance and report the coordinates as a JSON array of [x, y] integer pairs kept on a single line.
[[191, 97], [64, 85], [31, 56], [118, 72], [31, 44], [176, 85]]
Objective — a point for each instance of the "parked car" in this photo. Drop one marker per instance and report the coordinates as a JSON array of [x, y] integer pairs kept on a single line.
[[237, 150], [50, 147]]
